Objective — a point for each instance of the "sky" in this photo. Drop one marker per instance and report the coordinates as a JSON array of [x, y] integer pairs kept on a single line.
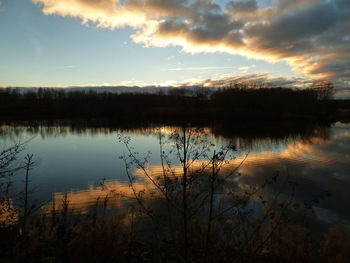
[[168, 42]]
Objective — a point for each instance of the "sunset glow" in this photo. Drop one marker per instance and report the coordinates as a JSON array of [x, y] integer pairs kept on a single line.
[[138, 42]]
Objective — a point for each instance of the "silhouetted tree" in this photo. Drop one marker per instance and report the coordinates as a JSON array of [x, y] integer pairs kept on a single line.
[[325, 89]]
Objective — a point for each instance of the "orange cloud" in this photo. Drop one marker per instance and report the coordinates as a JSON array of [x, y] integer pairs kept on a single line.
[[288, 31]]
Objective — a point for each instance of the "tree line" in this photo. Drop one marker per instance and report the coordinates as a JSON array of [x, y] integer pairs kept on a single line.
[[239, 101]]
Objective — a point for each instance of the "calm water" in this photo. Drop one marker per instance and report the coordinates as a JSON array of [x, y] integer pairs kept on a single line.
[[76, 161]]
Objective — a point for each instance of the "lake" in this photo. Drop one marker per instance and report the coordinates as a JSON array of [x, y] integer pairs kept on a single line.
[[84, 163]]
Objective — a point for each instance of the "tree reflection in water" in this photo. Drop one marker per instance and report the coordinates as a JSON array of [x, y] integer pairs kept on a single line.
[[195, 205]]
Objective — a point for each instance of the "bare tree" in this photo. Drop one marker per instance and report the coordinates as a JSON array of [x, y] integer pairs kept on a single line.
[[325, 89]]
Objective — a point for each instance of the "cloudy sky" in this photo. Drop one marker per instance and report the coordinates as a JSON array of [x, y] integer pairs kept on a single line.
[[138, 42]]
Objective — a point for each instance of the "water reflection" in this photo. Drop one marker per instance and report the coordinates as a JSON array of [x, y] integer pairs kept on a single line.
[[75, 160]]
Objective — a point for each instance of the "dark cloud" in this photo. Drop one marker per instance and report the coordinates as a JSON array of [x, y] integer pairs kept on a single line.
[[242, 6], [289, 30]]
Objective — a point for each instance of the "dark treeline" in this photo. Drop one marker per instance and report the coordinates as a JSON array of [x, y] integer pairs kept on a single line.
[[238, 102]]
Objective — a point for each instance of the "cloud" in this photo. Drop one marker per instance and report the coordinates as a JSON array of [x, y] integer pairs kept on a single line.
[[197, 68], [244, 69], [247, 6], [219, 80], [311, 35], [265, 78]]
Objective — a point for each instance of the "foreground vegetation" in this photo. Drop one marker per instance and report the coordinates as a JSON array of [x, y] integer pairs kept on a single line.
[[191, 211]]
